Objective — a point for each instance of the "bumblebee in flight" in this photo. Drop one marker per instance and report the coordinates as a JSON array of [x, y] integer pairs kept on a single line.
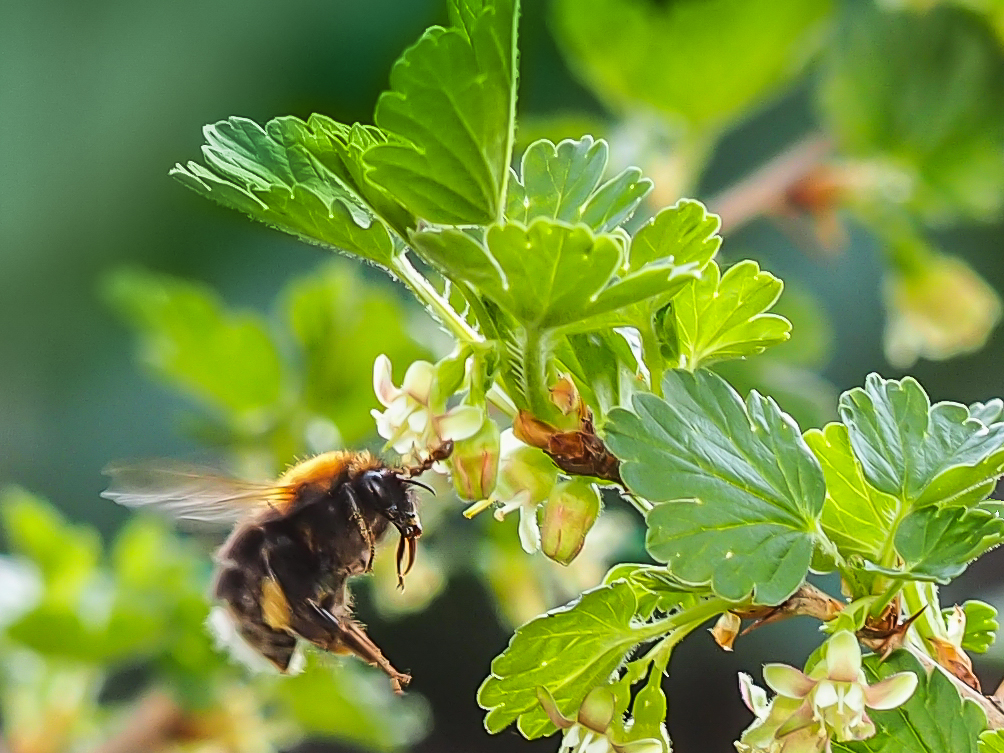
[[283, 571]]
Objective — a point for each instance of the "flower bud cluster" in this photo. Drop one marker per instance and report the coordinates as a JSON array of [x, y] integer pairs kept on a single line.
[[491, 468]]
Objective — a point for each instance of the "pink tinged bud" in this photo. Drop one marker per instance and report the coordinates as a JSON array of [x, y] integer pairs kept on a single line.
[[474, 463], [843, 658], [569, 513], [597, 710]]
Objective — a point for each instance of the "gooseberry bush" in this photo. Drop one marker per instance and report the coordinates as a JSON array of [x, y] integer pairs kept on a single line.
[[587, 330]]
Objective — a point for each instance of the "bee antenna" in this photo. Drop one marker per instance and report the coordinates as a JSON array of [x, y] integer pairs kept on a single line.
[[413, 482]]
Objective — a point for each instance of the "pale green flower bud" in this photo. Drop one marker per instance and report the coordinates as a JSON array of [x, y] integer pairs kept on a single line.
[[570, 512], [474, 463]]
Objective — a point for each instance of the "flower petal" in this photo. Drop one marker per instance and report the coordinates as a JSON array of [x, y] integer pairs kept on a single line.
[[418, 381], [801, 719], [382, 384], [529, 531], [826, 695], [843, 657], [787, 681], [753, 695], [460, 422], [893, 691]]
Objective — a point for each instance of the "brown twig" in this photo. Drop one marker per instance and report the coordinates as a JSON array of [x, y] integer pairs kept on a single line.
[[767, 190], [154, 721]]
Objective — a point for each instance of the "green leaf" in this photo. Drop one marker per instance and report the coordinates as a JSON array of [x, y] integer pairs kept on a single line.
[[938, 543], [550, 275], [683, 233], [741, 490], [856, 517], [603, 367], [65, 554], [722, 316], [919, 453], [669, 56], [921, 92], [934, 720], [981, 626], [352, 706], [296, 177], [563, 183], [569, 651], [342, 323], [227, 360], [991, 741], [452, 104]]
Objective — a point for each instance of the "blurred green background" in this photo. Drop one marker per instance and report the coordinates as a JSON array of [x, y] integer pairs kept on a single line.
[[98, 99]]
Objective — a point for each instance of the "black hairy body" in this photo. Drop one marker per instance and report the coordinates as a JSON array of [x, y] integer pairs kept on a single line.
[[283, 572]]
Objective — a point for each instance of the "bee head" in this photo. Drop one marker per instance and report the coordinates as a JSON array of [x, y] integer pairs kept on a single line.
[[388, 495]]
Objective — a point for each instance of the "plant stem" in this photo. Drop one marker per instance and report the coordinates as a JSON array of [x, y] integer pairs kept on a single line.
[[652, 355], [441, 309], [535, 372], [437, 305]]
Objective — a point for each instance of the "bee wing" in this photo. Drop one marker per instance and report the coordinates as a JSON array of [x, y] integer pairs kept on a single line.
[[190, 492]]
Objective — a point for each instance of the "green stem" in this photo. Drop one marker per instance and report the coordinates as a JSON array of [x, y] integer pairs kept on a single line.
[[441, 309], [652, 354], [921, 597], [437, 305], [535, 372], [676, 628]]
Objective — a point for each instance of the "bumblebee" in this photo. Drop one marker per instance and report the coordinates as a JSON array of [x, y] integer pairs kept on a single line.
[[283, 571]]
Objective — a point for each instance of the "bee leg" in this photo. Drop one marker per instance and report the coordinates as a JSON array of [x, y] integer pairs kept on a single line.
[[344, 634], [357, 517]]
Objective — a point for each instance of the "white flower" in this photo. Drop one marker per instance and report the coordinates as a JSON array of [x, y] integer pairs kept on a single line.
[[828, 703], [526, 477], [411, 424]]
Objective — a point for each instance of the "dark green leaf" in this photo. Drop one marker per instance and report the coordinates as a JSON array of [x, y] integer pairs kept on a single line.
[[934, 720], [187, 338], [452, 103], [919, 453], [569, 651], [741, 490]]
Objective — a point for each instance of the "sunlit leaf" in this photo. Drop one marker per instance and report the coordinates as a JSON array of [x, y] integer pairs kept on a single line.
[[670, 56], [452, 105], [294, 178], [723, 316], [569, 651], [856, 517], [981, 626], [562, 182]]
